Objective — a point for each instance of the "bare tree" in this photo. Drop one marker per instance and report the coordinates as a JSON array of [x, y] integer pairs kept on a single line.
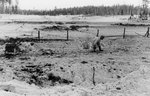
[[12, 7], [3, 4]]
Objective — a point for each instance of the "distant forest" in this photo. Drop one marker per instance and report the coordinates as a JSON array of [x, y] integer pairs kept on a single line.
[[87, 10]]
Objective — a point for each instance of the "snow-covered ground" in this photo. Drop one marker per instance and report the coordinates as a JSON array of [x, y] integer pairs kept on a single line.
[[122, 69]]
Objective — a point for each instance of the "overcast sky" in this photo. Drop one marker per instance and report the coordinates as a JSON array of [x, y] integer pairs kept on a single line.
[[51, 4]]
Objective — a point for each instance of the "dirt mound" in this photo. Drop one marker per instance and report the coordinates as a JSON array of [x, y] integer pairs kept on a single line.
[[118, 69], [40, 75], [31, 48], [63, 27], [135, 83], [54, 27], [132, 24], [18, 88], [76, 27]]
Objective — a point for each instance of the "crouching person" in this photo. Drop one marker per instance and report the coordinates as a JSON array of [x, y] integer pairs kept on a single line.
[[96, 43]]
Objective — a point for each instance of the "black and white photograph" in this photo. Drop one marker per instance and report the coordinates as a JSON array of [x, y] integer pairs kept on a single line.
[[74, 48]]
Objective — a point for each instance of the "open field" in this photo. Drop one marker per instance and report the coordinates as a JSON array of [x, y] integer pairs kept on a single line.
[[54, 66]]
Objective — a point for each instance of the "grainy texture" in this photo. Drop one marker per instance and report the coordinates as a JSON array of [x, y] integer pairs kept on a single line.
[[54, 66]]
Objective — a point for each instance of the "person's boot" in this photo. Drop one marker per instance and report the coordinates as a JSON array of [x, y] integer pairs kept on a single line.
[[100, 48]]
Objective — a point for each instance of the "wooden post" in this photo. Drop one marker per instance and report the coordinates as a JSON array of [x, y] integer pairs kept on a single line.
[[67, 34], [147, 33], [124, 33], [93, 76], [39, 35], [97, 32]]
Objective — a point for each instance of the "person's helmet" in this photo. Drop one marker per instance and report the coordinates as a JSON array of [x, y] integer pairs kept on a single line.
[[102, 37]]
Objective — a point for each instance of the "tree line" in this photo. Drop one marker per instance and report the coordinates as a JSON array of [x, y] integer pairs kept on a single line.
[[87, 10], [9, 6]]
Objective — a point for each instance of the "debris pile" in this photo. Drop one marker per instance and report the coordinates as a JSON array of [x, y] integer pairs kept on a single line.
[[40, 75], [15, 47]]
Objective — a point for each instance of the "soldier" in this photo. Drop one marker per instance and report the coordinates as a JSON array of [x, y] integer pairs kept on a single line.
[[96, 43]]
